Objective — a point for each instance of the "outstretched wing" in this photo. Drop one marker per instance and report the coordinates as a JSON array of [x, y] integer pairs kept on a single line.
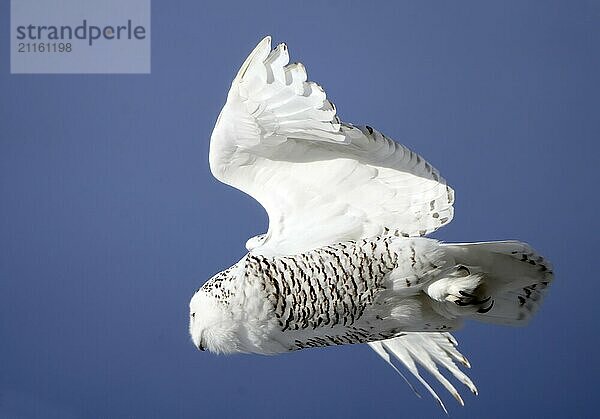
[[320, 180], [427, 350]]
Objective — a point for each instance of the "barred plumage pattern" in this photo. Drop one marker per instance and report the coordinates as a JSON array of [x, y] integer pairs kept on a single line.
[[326, 291], [328, 286]]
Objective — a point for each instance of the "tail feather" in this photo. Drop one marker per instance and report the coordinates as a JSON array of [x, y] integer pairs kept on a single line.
[[495, 282], [511, 273]]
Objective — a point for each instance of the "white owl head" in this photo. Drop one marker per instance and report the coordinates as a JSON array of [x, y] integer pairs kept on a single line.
[[212, 326]]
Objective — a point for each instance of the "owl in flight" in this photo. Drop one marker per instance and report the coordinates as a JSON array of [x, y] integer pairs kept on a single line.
[[345, 259]]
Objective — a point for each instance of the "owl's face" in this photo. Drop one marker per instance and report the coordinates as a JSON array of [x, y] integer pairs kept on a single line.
[[211, 325], [222, 321]]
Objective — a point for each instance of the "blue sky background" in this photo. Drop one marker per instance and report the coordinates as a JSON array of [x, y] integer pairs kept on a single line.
[[110, 219]]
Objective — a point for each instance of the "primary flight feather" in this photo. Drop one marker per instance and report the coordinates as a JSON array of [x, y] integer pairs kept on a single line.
[[344, 259]]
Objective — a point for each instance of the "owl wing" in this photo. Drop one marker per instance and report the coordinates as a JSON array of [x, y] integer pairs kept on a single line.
[[321, 181], [427, 350]]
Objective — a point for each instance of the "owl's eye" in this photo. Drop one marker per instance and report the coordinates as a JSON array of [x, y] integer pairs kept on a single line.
[[193, 315]]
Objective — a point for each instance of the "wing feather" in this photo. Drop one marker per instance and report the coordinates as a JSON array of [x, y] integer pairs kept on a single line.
[[427, 350], [279, 139]]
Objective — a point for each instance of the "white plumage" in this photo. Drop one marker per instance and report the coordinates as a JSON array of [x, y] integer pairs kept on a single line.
[[343, 260]]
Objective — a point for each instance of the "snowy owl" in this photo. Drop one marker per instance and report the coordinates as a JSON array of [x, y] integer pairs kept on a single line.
[[345, 259]]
